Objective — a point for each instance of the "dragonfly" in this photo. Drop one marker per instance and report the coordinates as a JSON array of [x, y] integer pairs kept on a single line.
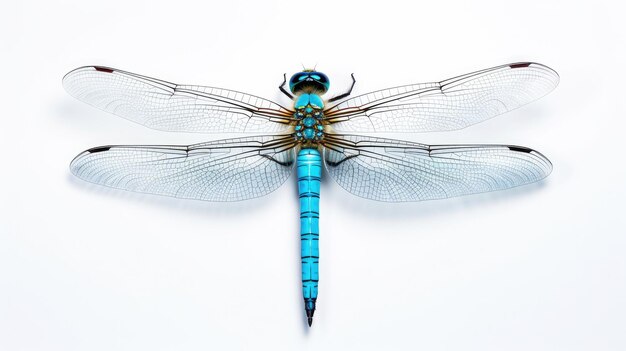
[[314, 133]]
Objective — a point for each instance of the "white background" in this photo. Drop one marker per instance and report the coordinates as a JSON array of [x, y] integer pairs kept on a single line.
[[541, 267]]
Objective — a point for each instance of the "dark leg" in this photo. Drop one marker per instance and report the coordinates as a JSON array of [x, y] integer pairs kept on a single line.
[[282, 87], [346, 94]]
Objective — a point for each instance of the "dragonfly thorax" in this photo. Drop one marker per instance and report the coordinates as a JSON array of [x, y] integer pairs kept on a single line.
[[309, 115]]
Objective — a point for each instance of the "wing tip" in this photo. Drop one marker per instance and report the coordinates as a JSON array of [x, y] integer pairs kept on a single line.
[[103, 69], [75, 164], [546, 164], [527, 64]]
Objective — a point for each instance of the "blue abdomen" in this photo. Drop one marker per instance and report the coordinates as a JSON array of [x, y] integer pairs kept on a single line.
[[309, 177]]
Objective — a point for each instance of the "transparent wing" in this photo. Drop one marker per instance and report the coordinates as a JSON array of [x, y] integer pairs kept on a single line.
[[395, 171], [223, 170], [171, 107], [447, 105]]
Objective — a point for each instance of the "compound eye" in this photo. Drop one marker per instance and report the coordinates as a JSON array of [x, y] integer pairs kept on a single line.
[[322, 79], [296, 78]]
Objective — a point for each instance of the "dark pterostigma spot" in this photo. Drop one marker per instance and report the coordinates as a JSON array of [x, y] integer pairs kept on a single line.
[[98, 149], [103, 69], [520, 65], [520, 149]]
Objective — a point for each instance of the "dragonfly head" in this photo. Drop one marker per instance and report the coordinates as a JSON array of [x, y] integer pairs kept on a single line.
[[309, 81]]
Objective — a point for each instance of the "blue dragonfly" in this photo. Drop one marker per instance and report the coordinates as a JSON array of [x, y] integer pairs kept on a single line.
[[312, 133]]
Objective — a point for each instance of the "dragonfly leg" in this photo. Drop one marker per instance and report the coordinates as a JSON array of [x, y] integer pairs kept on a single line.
[[346, 94], [282, 87]]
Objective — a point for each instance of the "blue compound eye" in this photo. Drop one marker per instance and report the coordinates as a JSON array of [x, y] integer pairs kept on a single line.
[[297, 79], [309, 81]]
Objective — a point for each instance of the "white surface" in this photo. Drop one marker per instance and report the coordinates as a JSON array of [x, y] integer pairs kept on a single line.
[[535, 268]]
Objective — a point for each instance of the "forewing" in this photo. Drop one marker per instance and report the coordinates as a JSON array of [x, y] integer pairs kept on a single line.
[[223, 170], [447, 105], [171, 107], [396, 171]]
